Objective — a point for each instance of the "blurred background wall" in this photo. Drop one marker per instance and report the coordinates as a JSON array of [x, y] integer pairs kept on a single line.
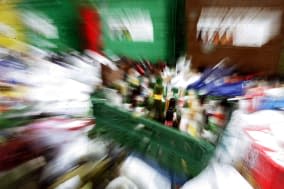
[[159, 30]]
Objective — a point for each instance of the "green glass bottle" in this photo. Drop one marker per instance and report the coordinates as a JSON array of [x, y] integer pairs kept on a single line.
[[157, 109]]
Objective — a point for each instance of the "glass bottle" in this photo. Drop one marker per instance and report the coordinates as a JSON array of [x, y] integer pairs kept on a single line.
[[157, 109], [169, 120]]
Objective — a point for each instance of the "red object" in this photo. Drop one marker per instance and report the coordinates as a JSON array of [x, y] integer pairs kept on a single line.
[[31, 144], [15, 152], [265, 172], [63, 124], [91, 29], [139, 69], [169, 123], [254, 96]]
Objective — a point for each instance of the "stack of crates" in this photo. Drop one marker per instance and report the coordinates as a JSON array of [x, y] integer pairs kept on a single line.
[[172, 149]]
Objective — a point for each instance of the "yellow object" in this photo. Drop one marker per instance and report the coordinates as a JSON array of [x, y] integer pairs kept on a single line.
[[192, 131], [150, 92], [133, 80], [11, 28], [89, 185], [16, 92], [85, 172], [158, 97]]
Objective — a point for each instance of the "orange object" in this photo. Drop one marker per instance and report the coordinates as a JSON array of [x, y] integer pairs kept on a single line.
[[216, 38]]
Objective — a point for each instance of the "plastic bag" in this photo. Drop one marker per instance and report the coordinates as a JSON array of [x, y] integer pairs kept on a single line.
[[144, 175], [218, 176], [121, 183]]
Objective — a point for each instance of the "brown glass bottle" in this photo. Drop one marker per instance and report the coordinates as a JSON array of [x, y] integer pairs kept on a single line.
[[169, 120]]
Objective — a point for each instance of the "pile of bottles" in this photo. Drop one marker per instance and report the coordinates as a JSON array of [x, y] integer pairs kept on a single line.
[[147, 91]]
